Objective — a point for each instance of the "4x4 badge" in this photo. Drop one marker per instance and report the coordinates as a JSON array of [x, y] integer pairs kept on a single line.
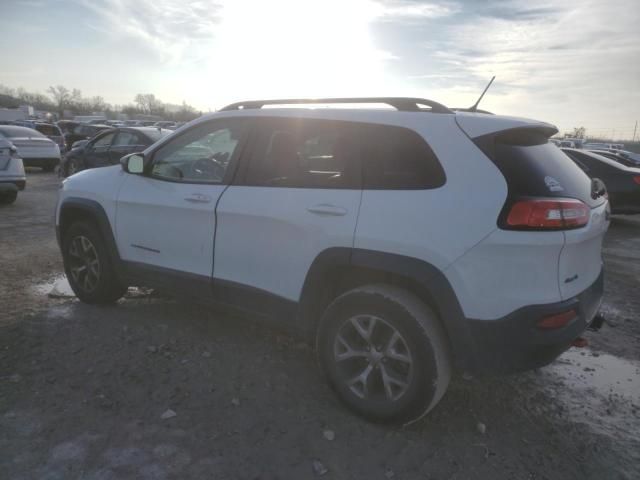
[[552, 184]]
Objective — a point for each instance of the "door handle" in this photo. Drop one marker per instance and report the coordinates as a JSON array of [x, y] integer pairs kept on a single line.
[[327, 209], [198, 198]]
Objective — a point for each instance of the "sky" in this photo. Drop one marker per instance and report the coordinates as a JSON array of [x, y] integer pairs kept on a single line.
[[569, 62]]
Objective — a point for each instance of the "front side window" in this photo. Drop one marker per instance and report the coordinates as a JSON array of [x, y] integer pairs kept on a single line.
[[305, 154], [126, 139], [202, 154], [104, 141]]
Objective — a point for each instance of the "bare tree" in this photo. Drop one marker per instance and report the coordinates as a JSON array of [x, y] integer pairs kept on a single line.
[[579, 132], [62, 97]]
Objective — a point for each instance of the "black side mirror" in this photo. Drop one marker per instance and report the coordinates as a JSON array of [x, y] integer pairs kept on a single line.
[[133, 163]]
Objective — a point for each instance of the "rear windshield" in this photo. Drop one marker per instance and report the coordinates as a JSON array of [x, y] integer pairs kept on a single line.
[[533, 167], [49, 130], [16, 132]]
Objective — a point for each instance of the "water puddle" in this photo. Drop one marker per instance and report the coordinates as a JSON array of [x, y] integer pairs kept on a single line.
[[59, 288], [600, 390]]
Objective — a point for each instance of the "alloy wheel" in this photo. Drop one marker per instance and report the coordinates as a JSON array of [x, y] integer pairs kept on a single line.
[[84, 264], [373, 358]]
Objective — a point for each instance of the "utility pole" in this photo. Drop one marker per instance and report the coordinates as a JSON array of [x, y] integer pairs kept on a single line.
[[634, 131]]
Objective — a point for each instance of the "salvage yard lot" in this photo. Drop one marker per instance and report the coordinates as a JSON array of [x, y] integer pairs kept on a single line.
[[84, 389]]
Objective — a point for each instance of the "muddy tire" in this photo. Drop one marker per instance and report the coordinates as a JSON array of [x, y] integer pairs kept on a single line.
[[385, 353], [88, 265], [8, 198]]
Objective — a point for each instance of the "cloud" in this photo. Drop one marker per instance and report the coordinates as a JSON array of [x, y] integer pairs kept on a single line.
[[570, 59], [174, 31], [413, 11]]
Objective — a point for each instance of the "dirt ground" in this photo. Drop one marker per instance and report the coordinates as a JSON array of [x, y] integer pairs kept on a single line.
[[155, 388]]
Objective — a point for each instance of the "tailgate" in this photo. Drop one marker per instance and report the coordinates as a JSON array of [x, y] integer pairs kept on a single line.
[[580, 260]]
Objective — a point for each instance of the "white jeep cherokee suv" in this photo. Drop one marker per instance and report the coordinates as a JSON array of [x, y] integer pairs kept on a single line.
[[405, 242]]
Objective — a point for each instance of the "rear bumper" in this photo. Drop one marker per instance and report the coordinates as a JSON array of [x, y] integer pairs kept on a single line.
[[625, 203], [40, 162], [514, 343], [12, 185]]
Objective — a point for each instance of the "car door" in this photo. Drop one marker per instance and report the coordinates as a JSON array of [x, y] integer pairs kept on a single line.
[[165, 219], [297, 194], [126, 142], [96, 152]]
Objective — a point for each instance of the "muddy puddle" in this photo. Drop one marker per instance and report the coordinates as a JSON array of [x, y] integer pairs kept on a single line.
[[597, 389], [59, 287]]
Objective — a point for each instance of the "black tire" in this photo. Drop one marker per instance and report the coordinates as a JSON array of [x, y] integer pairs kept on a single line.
[[72, 166], [8, 198], [95, 283], [419, 356]]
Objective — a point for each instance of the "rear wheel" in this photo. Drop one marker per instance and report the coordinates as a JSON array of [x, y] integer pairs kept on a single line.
[[88, 266], [385, 353], [8, 197]]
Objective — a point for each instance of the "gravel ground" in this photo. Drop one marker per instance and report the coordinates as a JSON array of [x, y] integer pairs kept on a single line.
[[157, 388]]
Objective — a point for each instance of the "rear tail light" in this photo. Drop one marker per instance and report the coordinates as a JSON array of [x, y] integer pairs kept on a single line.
[[547, 214], [557, 320], [637, 179]]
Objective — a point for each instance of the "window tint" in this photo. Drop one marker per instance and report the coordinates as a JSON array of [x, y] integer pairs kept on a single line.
[[533, 167], [202, 154], [305, 154], [398, 158], [126, 139], [104, 141]]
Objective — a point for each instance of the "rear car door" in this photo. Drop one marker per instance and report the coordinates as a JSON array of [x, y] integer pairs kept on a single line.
[[96, 153], [297, 194], [165, 220]]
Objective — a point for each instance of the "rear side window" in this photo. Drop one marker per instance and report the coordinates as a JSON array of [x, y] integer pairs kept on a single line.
[[397, 158], [533, 167], [312, 153], [304, 154]]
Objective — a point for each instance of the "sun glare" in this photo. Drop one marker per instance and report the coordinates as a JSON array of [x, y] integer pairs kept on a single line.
[[290, 48]]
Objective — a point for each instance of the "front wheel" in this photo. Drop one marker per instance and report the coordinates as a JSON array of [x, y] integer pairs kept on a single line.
[[88, 265], [385, 353], [72, 166]]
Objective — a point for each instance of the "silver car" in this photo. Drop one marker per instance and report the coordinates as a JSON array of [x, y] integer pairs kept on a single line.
[[12, 177], [35, 149]]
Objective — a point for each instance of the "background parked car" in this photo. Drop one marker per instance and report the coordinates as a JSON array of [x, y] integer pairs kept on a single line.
[[35, 149], [108, 147], [165, 124], [616, 156], [12, 177], [83, 131], [623, 183], [50, 130]]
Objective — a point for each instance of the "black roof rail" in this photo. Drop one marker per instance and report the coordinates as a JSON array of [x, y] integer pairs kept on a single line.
[[400, 103]]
